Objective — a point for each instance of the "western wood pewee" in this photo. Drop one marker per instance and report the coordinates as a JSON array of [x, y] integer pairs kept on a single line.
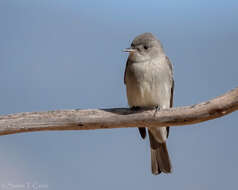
[[149, 83]]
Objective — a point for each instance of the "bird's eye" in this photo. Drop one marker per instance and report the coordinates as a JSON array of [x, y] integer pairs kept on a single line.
[[145, 47]]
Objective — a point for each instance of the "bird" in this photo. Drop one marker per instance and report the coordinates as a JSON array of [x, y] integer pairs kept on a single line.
[[149, 82]]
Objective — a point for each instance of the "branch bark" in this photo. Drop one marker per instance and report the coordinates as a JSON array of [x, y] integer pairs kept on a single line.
[[118, 117]]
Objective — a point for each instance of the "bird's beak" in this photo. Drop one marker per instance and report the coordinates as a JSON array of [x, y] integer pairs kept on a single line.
[[129, 50]]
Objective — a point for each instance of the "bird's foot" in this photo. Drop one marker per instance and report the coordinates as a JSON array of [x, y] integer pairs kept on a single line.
[[135, 108], [157, 108]]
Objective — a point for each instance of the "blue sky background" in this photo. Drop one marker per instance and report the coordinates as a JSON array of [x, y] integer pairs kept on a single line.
[[62, 54]]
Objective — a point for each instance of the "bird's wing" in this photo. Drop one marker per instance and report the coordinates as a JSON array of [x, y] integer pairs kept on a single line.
[[142, 130], [172, 87], [127, 63], [172, 81]]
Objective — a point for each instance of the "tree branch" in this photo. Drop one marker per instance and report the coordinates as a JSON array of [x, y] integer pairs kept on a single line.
[[118, 117]]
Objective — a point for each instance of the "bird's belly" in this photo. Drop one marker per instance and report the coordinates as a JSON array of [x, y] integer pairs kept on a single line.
[[145, 95], [141, 95]]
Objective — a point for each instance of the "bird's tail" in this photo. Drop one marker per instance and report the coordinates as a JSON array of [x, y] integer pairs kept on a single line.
[[160, 161]]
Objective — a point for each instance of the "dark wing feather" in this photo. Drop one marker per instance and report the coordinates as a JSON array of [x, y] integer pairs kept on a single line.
[[172, 89], [127, 63], [142, 131]]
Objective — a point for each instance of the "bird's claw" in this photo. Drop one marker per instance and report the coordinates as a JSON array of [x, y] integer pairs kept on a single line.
[[157, 108]]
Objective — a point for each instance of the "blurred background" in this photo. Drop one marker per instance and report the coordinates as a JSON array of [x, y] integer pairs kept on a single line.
[[66, 54]]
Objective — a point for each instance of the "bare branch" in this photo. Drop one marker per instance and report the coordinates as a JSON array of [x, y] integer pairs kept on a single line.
[[118, 117]]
